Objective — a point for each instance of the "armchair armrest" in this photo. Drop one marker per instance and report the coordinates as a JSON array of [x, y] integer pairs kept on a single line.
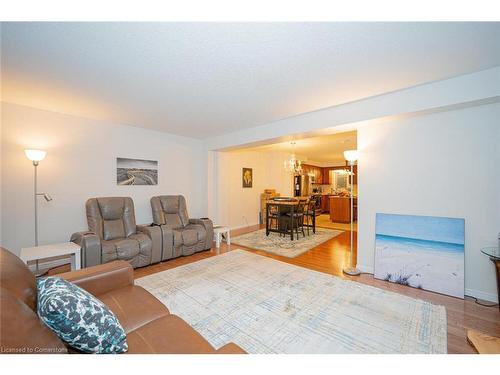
[[102, 278], [209, 227], [154, 233], [167, 233], [90, 244]]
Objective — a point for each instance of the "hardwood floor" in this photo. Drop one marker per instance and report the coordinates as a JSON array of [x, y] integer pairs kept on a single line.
[[331, 256]]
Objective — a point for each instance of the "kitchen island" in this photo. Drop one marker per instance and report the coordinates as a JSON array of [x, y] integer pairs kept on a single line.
[[340, 209]]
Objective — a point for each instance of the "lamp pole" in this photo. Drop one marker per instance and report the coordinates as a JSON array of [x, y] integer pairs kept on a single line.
[[351, 157], [35, 194], [352, 209], [36, 156]]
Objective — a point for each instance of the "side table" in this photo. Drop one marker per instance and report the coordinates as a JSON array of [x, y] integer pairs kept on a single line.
[[221, 232], [494, 254], [54, 250]]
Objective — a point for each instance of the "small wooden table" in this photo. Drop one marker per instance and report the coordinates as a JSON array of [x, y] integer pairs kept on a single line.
[[289, 204], [54, 250]]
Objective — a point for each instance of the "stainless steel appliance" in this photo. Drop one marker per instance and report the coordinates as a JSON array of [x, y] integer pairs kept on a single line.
[[302, 185]]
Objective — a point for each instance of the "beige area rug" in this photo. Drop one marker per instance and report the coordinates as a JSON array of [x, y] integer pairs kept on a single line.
[[279, 245], [324, 221], [268, 306]]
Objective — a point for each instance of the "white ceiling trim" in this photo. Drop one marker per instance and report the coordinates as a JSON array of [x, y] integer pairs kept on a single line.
[[476, 88]]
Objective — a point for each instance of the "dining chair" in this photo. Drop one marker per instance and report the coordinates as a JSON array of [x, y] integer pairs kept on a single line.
[[297, 218], [312, 212], [273, 216]]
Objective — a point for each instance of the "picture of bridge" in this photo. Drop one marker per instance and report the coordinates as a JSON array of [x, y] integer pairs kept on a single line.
[[136, 172]]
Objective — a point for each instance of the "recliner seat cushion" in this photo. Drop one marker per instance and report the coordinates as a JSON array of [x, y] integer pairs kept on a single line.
[[113, 229], [200, 230], [170, 210], [22, 331], [189, 237], [123, 248], [174, 220], [111, 217]]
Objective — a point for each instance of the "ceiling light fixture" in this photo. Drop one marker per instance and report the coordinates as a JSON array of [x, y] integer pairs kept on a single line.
[[293, 165]]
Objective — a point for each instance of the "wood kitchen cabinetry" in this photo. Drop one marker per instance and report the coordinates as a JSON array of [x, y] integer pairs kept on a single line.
[[322, 175], [326, 174], [325, 203], [340, 209], [315, 171]]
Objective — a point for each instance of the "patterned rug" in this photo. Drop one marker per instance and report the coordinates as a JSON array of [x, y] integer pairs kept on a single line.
[[279, 245], [268, 306]]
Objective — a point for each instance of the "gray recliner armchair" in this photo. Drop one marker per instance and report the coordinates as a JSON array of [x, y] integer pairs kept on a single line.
[[114, 235], [181, 235]]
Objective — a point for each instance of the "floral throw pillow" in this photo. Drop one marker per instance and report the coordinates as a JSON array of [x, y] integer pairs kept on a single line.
[[79, 318]]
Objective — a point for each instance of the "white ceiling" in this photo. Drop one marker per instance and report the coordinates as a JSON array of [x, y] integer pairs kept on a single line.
[[325, 150], [206, 79]]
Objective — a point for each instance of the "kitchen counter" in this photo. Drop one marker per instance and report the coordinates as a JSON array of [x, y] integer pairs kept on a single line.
[[340, 209]]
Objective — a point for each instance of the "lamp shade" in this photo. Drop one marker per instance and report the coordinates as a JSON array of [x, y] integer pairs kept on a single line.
[[35, 155], [351, 155]]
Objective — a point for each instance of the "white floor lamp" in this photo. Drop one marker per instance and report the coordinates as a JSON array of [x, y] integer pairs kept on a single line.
[[36, 156], [351, 156]]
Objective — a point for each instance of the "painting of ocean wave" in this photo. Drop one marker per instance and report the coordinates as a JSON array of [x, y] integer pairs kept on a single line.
[[424, 252]]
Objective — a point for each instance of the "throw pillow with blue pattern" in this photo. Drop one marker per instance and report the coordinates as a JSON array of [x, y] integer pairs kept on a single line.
[[78, 318]]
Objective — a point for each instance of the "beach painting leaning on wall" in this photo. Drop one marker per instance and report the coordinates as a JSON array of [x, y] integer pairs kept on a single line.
[[424, 252]]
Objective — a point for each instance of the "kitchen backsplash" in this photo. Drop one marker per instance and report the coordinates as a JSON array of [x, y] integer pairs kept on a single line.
[[328, 189]]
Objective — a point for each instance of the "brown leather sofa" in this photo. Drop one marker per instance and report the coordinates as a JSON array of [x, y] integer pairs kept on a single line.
[[114, 235], [180, 234], [149, 325]]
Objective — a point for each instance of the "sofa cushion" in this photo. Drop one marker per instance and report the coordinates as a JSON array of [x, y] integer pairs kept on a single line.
[[113, 229], [143, 240], [125, 248], [173, 220], [21, 331], [79, 318], [200, 230], [133, 306], [166, 335], [189, 237]]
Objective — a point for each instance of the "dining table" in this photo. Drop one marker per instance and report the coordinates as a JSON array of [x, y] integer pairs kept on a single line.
[[283, 205]]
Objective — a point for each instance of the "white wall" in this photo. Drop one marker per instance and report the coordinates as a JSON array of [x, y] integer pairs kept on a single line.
[[237, 206], [81, 163], [443, 164]]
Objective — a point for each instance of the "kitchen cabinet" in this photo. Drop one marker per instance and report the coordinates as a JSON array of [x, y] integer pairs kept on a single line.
[[340, 209], [312, 170], [325, 203], [327, 176], [318, 173], [305, 169]]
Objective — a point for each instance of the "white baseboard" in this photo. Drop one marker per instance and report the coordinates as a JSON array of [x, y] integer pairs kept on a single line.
[[491, 297], [485, 296], [366, 269], [244, 226]]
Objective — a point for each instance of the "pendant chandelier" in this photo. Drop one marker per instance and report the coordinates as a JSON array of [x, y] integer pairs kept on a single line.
[[293, 165]]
